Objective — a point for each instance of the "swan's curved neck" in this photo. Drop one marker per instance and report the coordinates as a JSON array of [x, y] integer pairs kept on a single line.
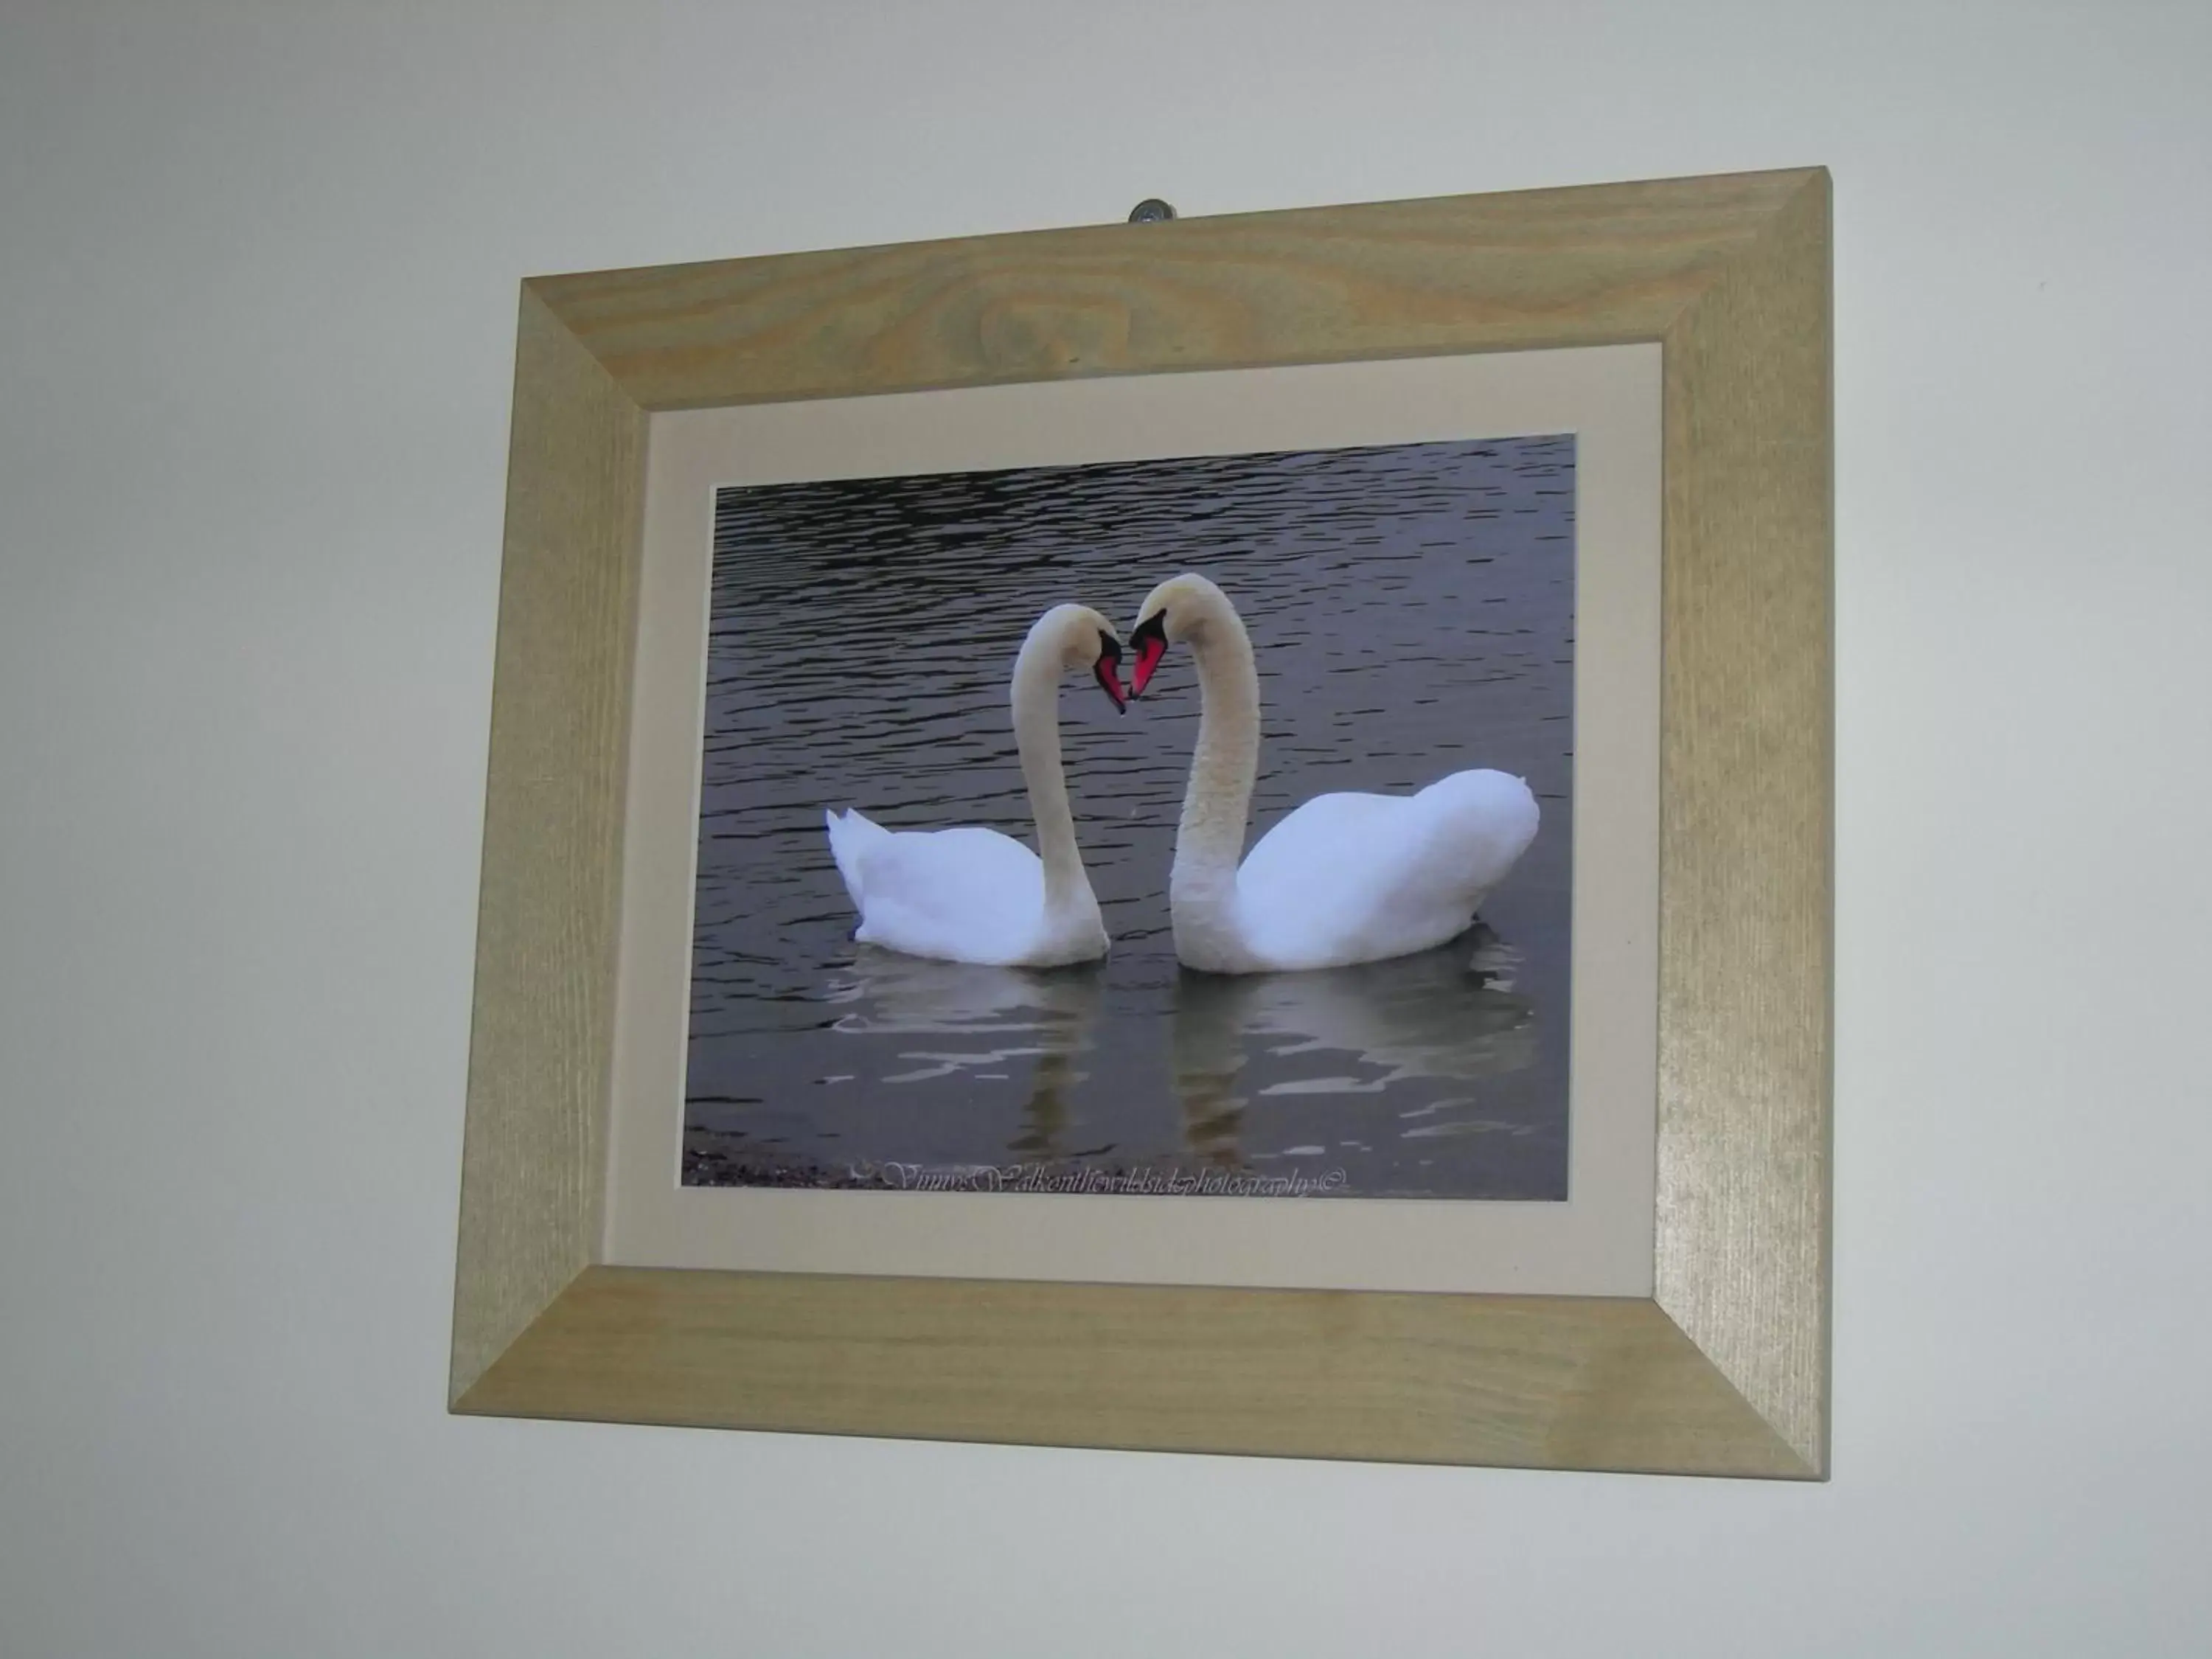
[[1209, 839], [1037, 739]]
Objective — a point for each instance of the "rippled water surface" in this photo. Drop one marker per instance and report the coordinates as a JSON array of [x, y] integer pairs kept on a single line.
[[1412, 611]]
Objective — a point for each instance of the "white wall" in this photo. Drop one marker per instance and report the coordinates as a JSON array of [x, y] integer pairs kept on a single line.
[[258, 267]]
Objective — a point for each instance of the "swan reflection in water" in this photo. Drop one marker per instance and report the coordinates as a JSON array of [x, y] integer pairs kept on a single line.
[[1237, 1046], [982, 1021], [1448, 1015]]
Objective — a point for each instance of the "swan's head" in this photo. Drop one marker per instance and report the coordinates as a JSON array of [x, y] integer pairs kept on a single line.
[[1080, 638], [1182, 607]]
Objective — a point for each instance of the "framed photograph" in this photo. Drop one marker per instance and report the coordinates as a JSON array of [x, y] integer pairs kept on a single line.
[[1205, 836]]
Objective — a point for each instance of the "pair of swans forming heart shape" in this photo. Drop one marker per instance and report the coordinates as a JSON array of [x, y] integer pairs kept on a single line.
[[1346, 879]]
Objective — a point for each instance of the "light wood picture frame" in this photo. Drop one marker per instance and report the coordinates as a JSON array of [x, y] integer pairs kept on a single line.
[[1723, 1370]]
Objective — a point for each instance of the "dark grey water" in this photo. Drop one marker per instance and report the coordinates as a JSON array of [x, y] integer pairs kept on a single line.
[[1413, 612]]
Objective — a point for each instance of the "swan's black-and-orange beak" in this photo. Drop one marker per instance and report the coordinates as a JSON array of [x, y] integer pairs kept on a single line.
[[1151, 640], [1108, 669]]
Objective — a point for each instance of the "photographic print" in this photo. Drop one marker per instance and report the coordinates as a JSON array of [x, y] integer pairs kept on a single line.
[[1196, 827]]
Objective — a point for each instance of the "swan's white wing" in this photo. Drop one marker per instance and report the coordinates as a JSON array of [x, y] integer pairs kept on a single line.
[[850, 834], [964, 894], [1358, 877], [1320, 839], [1306, 891]]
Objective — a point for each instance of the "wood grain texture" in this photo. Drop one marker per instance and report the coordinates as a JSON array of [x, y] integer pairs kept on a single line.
[[1747, 767], [533, 1169], [1725, 1371], [1595, 265], [1537, 1382]]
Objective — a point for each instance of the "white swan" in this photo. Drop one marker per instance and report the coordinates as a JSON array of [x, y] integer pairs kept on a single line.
[[973, 895], [1346, 879]]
